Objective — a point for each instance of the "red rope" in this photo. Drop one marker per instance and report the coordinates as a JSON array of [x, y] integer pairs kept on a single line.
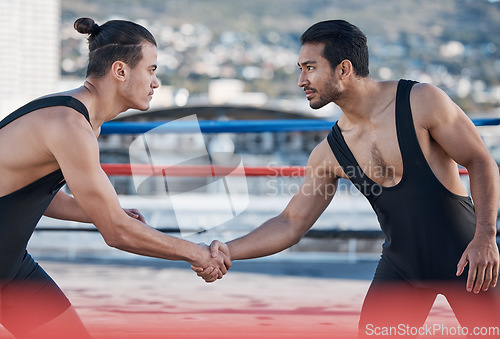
[[204, 171]]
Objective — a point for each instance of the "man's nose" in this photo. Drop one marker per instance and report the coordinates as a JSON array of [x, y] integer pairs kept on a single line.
[[155, 83], [302, 80]]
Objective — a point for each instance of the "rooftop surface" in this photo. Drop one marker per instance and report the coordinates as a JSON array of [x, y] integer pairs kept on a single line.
[[275, 297]]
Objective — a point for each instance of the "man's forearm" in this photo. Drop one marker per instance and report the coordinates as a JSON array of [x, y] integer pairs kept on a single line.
[[485, 191], [136, 237], [65, 207], [273, 236]]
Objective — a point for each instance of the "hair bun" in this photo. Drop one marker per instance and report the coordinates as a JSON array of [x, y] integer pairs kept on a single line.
[[86, 26]]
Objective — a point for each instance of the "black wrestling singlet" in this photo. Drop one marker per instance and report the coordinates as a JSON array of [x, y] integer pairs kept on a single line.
[[426, 227], [21, 210]]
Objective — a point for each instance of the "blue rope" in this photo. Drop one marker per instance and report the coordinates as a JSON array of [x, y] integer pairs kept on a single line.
[[486, 122], [233, 126]]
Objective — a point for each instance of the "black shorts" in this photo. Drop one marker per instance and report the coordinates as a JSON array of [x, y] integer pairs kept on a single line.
[[31, 299], [392, 300]]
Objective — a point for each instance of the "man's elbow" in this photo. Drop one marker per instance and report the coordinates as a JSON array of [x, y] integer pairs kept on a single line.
[[117, 237], [115, 240], [295, 228], [483, 162], [295, 238]]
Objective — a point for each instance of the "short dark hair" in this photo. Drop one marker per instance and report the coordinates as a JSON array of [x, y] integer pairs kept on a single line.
[[115, 40], [342, 41]]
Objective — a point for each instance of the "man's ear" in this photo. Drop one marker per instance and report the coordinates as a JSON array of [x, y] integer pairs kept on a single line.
[[119, 70], [345, 68]]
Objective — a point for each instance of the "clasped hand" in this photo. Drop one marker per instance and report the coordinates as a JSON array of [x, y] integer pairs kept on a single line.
[[212, 262], [220, 260]]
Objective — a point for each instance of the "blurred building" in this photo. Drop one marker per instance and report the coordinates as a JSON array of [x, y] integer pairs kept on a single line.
[[30, 50]]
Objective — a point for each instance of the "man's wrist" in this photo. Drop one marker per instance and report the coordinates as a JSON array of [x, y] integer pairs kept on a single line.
[[191, 253], [233, 251], [486, 232]]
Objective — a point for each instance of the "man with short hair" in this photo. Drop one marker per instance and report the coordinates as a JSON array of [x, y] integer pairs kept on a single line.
[[399, 142]]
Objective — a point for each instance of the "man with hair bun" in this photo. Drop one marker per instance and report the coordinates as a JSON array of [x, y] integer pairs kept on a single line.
[[54, 141]]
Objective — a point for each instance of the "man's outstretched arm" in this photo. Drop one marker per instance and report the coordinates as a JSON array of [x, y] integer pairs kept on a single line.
[[286, 229], [97, 198]]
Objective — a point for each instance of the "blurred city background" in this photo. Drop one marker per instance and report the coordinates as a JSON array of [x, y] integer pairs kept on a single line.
[[237, 60], [228, 61]]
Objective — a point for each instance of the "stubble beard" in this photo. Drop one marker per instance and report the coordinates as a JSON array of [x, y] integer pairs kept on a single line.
[[332, 94]]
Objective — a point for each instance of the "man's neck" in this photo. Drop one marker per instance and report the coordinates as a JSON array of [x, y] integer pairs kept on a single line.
[[102, 103], [365, 99]]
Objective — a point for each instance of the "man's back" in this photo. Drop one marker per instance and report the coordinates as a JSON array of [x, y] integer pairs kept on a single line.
[[28, 158], [22, 207]]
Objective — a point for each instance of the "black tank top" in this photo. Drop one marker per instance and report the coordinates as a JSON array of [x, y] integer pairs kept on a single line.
[[426, 226], [22, 209]]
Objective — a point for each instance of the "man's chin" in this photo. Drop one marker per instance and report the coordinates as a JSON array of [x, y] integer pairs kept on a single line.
[[316, 105], [143, 108]]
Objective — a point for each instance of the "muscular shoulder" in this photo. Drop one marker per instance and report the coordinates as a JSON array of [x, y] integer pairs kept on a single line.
[[430, 106], [66, 128], [65, 120], [428, 95]]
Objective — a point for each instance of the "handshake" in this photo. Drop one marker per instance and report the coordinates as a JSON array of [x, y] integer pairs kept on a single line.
[[213, 262]]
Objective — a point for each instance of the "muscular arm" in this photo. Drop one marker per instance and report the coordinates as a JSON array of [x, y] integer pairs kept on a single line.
[[449, 126], [74, 146], [303, 210], [65, 207]]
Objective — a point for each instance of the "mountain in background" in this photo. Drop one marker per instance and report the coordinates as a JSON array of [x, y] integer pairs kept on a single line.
[[454, 43], [477, 20]]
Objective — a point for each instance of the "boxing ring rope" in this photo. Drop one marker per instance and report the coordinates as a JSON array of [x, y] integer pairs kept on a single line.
[[211, 126], [235, 126], [202, 170]]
